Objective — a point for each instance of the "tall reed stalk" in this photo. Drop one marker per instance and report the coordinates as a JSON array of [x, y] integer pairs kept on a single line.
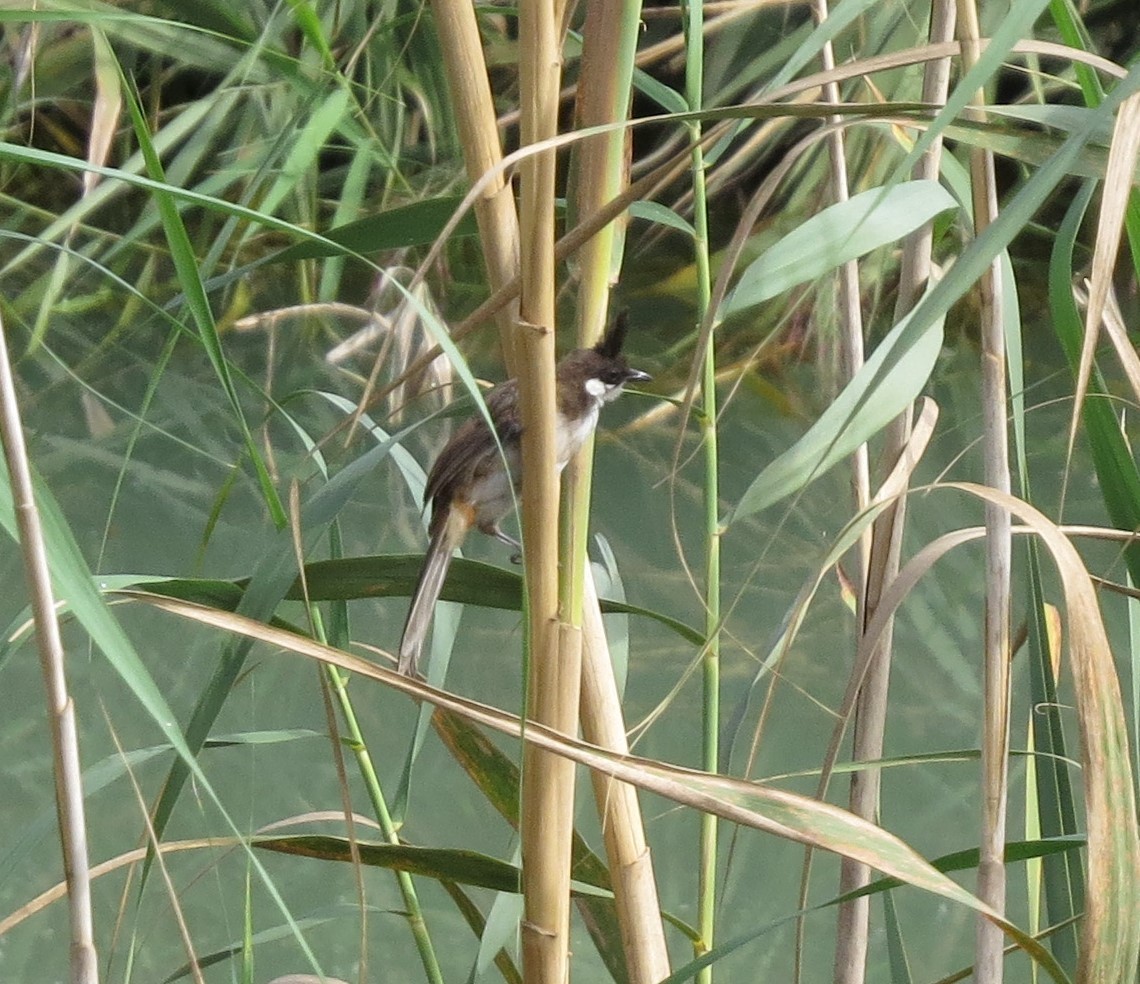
[[707, 416], [474, 108], [988, 958], [609, 41], [554, 647], [60, 706], [882, 565]]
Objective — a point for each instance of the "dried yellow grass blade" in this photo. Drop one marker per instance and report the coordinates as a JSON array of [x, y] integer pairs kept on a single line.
[[107, 110], [1122, 159]]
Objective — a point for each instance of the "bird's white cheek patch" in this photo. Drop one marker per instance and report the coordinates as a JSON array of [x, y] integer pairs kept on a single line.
[[596, 388]]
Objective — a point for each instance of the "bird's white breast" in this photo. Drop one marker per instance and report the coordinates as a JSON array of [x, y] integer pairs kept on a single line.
[[572, 434]]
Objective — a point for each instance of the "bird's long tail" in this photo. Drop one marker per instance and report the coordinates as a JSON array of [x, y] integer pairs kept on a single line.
[[445, 538]]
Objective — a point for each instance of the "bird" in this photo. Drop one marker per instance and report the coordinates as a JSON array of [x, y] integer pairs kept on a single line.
[[473, 484]]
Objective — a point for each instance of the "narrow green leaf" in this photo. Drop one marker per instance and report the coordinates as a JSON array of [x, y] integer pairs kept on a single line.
[[896, 946], [447, 864], [842, 232], [470, 582], [661, 215], [194, 291], [889, 381], [308, 143], [204, 960], [310, 25], [443, 863], [665, 96], [395, 228]]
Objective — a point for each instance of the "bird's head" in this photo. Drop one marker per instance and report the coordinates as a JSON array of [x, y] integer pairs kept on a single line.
[[602, 371]]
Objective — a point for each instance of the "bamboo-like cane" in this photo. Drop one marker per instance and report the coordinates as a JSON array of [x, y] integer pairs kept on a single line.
[[609, 42], [61, 709], [627, 852], [553, 681], [495, 212]]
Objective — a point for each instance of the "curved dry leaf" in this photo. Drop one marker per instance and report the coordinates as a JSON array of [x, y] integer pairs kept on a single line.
[[912, 452], [136, 856], [1111, 927], [107, 109], [1119, 174], [778, 812]]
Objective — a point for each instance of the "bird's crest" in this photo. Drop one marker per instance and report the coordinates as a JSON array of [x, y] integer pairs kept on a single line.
[[612, 341]]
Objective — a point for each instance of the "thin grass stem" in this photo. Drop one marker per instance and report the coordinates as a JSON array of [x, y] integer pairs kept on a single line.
[[710, 671], [338, 683], [336, 686]]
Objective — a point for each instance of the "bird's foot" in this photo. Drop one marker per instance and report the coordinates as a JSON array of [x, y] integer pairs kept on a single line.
[[497, 532]]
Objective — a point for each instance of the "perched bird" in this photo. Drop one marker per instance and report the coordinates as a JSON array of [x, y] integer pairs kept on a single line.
[[472, 484]]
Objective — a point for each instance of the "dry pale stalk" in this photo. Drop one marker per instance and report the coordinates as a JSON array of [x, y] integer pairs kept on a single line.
[[851, 937], [988, 958], [883, 562], [627, 852], [610, 37], [474, 108], [555, 650], [61, 709]]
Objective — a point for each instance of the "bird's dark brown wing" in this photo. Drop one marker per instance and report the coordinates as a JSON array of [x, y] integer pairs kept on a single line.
[[472, 446]]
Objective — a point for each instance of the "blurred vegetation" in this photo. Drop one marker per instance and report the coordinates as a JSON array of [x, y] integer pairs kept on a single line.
[[224, 225]]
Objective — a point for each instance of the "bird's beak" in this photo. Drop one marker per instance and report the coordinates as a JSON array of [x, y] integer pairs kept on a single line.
[[637, 376]]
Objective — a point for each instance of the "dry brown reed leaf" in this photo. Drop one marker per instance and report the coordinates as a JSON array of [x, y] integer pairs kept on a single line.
[[911, 454], [785, 814], [106, 109], [1111, 928], [59, 890], [1122, 158]]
